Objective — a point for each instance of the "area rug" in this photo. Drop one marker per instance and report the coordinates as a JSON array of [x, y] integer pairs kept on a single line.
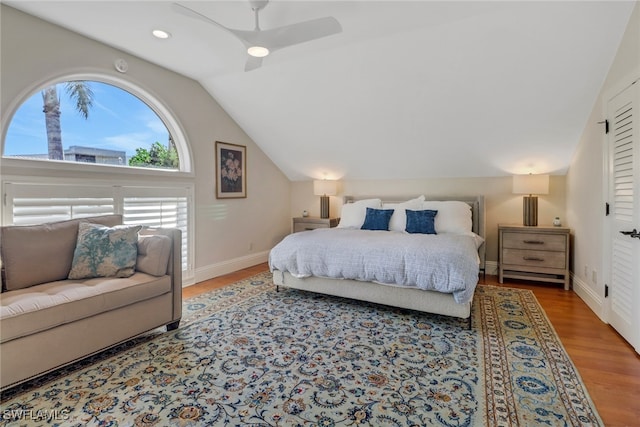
[[247, 355]]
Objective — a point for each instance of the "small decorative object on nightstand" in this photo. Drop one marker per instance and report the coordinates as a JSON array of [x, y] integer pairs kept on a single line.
[[311, 223], [534, 253]]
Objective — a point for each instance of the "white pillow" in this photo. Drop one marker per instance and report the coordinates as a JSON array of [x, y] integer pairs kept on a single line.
[[452, 217], [398, 220], [153, 254], [353, 214]]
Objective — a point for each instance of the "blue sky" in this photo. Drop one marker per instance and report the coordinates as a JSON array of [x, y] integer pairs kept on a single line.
[[117, 121]]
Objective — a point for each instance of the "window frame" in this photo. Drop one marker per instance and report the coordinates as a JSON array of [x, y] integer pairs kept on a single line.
[[162, 111]]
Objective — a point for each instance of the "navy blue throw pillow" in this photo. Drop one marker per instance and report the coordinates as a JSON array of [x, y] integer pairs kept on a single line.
[[421, 221], [377, 219]]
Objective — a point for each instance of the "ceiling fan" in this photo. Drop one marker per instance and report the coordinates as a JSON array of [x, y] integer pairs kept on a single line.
[[260, 43]]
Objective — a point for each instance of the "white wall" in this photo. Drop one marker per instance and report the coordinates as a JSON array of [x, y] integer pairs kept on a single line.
[[502, 206], [585, 179], [34, 51]]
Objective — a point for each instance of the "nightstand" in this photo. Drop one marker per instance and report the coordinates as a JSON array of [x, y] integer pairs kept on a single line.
[[311, 223], [534, 253]]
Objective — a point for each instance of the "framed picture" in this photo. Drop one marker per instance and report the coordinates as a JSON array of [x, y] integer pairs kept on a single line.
[[231, 171]]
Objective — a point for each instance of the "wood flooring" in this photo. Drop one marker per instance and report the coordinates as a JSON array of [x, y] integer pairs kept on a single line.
[[608, 365]]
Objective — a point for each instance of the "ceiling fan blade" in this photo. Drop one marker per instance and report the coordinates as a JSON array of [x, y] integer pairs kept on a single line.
[[252, 63], [273, 39], [184, 10], [248, 38], [289, 35]]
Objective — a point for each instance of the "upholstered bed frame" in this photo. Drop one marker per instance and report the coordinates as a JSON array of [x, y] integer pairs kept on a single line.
[[410, 298]]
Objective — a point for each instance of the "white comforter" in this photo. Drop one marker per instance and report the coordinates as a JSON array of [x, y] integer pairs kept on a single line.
[[446, 263]]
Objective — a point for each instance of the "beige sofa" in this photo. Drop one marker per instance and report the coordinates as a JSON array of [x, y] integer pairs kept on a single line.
[[47, 320]]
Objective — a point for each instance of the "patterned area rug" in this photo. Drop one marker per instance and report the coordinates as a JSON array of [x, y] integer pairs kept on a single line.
[[247, 355]]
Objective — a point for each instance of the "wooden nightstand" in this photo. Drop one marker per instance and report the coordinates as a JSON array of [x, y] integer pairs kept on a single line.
[[311, 223], [534, 253]]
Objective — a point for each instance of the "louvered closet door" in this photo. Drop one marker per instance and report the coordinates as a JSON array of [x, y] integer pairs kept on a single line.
[[624, 156]]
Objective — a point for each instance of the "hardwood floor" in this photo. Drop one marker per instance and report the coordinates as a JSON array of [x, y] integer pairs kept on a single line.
[[608, 365]]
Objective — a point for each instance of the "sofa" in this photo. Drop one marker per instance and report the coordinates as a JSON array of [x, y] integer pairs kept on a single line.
[[66, 295]]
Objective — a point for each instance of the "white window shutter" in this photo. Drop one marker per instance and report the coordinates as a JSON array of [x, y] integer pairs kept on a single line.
[[168, 207]]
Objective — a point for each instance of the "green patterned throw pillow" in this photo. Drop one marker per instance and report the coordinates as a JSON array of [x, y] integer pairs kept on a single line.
[[105, 251]]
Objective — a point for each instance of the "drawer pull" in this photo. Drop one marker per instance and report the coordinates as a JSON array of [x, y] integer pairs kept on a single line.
[[534, 242], [532, 258]]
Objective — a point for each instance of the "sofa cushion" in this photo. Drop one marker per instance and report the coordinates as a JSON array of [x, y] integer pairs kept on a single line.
[[153, 254], [34, 254], [37, 308], [105, 251]]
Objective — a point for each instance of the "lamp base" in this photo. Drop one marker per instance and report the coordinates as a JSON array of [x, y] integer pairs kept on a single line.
[[324, 206], [530, 211]]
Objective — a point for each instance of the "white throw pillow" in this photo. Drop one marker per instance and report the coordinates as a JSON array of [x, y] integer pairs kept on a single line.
[[153, 254], [353, 214], [452, 217], [398, 220]]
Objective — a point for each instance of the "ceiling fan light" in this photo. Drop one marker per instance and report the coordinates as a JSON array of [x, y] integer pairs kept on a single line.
[[161, 34], [258, 51]]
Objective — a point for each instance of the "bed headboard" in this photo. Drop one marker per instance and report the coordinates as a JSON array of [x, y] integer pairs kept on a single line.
[[475, 202]]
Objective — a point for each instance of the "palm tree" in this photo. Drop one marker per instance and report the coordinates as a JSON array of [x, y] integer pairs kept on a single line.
[[80, 92]]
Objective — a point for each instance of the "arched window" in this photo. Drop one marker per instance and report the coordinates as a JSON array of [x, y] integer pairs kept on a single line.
[[90, 120], [86, 123]]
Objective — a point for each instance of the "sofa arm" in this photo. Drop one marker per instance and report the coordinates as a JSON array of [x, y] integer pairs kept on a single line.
[[174, 268]]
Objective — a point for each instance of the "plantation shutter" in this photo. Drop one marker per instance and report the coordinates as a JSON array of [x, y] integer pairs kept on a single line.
[[625, 250], [27, 204], [36, 203], [159, 207]]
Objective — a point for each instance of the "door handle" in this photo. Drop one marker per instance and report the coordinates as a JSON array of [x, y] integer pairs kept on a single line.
[[633, 233]]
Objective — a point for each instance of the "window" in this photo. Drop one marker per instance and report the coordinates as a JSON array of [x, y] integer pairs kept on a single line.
[[91, 121], [123, 122], [162, 206]]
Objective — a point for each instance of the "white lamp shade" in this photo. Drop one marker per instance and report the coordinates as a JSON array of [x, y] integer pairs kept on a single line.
[[325, 187], [531, 184]]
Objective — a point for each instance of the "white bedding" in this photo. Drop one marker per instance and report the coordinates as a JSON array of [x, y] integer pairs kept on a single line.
[[445, 263]]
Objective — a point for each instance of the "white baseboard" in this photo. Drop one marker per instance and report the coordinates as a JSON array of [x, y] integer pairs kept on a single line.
[[229, 266], [594, 301], [491, 268]]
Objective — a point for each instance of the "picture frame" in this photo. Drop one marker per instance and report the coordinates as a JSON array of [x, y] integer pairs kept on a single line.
[[231, 171]]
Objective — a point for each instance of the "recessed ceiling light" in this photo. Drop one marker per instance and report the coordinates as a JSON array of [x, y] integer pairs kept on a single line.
[[258, 51], [161, 34]]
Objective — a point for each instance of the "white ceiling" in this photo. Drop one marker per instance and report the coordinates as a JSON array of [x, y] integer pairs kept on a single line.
[[409, 89]]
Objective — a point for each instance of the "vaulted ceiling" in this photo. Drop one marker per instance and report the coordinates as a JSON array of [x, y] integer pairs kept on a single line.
[[408, 89]]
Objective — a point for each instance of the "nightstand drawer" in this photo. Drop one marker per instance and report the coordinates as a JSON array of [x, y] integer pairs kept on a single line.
[[305, 226], [524, 257], [535, 241]]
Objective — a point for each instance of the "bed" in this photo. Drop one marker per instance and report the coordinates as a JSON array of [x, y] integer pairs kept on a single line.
[[332, 261]]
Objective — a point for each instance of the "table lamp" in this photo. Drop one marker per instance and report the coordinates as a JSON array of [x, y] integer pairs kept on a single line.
[[531, 185], [324, 188]]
